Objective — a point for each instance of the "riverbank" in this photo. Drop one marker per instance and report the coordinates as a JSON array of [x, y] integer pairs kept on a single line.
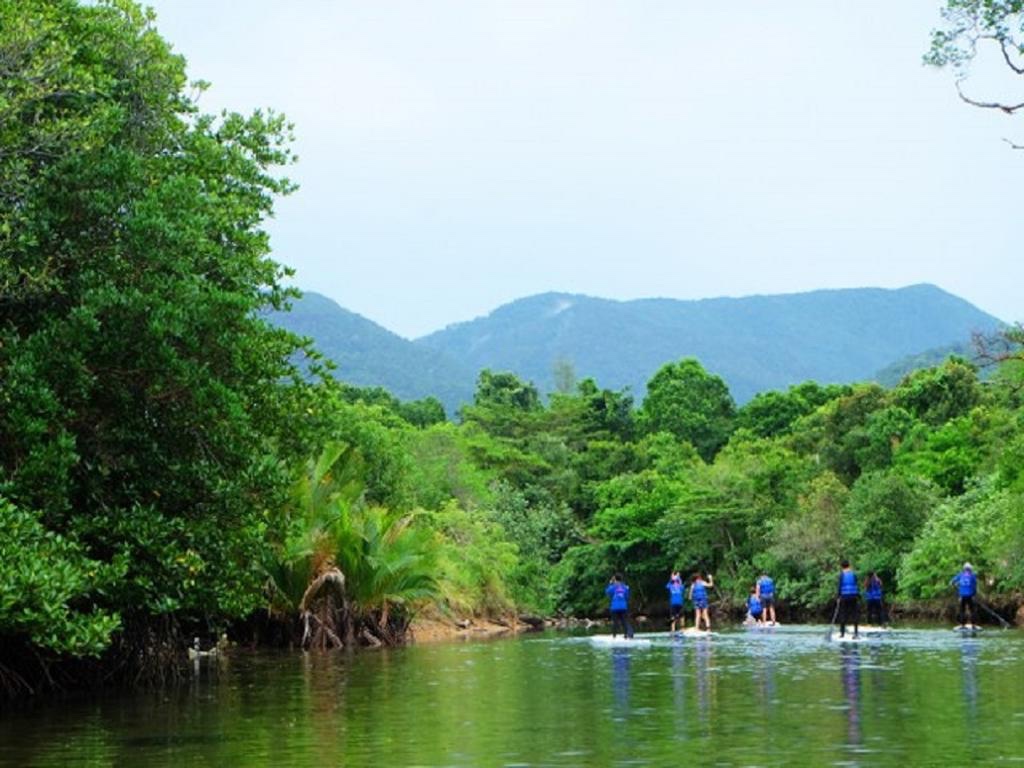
[[433, 630], [433, 627]]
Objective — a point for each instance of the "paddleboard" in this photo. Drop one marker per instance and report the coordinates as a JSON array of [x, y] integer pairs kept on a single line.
[[848, 639], [875, 630], [607, 641], [967, 630], [696, 633]]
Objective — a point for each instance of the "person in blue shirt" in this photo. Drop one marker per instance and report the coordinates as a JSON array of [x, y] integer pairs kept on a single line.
[[849, 599], [766, 594], [873, 597], [676, 590], [754, 606], [967, 587], [699, 597], [618, 593]]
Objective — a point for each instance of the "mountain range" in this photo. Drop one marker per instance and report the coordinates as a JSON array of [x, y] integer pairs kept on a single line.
[[755, 343]]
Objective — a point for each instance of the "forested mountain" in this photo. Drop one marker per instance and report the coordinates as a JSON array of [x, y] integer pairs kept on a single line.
[[755, 343], [368, 355]]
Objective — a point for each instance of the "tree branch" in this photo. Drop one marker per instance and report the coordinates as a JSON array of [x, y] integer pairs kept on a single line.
[[1007, 108], [1006, 55]]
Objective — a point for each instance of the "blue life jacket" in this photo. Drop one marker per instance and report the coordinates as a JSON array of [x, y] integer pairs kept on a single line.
[[968, 584], [675, 592], [767, 586], [753, 605], [619, 593], [848, 584], [874, 589], [699, 592]]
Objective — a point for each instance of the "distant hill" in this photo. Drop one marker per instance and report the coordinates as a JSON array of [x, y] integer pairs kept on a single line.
[[893, 373], [369, 355], [755, 343]]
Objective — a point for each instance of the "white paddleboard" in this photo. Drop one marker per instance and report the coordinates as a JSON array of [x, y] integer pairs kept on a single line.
[[848, 639], [696, 633], [607, 641]]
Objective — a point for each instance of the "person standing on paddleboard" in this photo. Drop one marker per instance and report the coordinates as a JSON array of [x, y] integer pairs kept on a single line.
[[755, 607], [699, 596], [676, 591], [618, 592], [873, 595], [849, 600], [967, 587], [766, 594]]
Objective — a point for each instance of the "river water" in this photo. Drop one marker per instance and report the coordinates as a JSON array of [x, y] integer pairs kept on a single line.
[[745, 697]]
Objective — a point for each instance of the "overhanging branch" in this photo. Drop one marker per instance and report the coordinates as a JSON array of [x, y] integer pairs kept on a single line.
[[1007, 108]]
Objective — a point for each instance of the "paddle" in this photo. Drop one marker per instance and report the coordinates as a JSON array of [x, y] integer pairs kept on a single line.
[[977, 601], [990, 612], [835, 613]]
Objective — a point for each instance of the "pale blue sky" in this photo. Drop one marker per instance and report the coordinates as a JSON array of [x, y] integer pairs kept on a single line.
[[457, 155]]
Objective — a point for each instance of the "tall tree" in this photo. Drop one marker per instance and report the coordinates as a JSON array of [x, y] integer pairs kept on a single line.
[[692, 404], [140, 388]]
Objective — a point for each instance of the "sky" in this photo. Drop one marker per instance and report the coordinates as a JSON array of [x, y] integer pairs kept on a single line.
[[454, 156]]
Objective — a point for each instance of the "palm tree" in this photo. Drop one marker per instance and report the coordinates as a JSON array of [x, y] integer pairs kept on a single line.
[[390, 564], [344, 569], [303, 580]]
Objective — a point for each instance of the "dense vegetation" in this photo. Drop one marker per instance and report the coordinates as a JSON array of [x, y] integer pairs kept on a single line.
[[154, 428], [173, 465]]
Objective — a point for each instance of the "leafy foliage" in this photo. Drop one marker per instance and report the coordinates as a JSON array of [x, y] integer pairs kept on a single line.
[[47, 586], [688, 402], [140, 392]]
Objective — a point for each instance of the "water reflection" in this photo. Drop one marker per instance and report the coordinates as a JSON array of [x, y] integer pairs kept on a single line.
[[678, 690], [910, 698], [969, 671], [764, 675], [704, 658], [621, 661], [849, 661]]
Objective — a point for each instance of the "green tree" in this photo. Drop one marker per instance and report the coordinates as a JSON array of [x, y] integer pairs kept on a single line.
[[883, 516], [423, 413], [49, 589], [685, 400], [936, 395], [140, 388], [837, 434], [882, 436], [962, 528], [806, 546], [541, 531], [443, 469], [504, 405], [770, 414], [475, 561], [959, 450]]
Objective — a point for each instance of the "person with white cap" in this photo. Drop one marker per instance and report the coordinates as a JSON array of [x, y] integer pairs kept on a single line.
[[967, 586]]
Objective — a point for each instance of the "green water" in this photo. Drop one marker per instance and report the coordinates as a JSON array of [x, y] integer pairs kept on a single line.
[[776, 697]]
